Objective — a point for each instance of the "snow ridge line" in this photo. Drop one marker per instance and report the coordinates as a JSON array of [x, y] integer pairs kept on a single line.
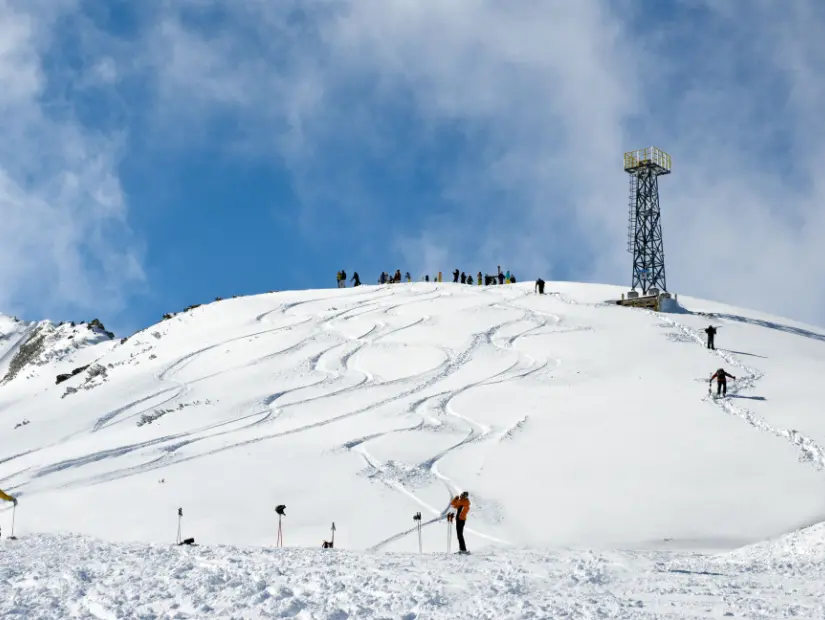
[[811, 452]]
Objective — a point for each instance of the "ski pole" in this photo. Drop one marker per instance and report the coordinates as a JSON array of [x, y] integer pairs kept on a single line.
[[13, 515]]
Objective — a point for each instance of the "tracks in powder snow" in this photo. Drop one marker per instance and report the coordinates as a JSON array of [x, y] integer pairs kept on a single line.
[[477, 431], [415, 384], [810, 450]]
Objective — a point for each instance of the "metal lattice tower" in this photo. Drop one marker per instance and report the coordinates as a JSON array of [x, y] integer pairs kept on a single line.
[[645, 166]]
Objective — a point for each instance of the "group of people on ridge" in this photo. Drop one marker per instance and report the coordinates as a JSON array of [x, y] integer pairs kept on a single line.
[[499, 278], [341, 276], [458, 276], [385, 278]]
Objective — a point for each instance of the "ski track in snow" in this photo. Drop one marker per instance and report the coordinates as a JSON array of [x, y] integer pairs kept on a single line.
[[168, 457], [810, 450], [170, 445], [477, 431]]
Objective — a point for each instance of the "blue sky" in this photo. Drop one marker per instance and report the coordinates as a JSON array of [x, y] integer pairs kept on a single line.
[[159, 154]]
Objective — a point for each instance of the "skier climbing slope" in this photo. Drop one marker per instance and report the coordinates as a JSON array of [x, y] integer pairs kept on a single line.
[[721, 376]]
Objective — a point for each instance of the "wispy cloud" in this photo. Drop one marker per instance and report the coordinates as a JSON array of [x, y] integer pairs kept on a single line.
[[743, 210], [534, 94], [65, 246]]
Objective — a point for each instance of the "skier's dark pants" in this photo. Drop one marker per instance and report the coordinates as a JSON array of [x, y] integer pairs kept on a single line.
[[710, 343], [721, 387], [459, 532]]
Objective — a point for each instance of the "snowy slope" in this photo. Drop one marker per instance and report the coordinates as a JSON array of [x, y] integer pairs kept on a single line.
[[571, 423]]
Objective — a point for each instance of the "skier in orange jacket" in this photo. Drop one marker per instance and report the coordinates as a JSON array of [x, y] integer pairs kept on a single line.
[[462, 506]]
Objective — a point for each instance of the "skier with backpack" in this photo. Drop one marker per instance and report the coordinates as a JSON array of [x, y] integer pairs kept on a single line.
[[721, 381], [711, 332]]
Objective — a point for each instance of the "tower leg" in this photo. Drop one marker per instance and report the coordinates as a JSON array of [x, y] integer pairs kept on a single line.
[[647, 245]]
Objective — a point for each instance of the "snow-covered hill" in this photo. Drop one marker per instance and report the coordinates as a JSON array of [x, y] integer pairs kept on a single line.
[[571, 422]]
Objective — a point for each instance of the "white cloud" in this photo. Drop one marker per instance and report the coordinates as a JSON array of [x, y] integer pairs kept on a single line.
[[743, 209], [64, 242], [539, 92]]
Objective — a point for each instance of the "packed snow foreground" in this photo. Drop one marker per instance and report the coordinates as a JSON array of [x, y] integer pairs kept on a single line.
[[605, 481]]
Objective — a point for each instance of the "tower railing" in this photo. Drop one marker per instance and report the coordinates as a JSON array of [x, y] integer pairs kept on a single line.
[[651, 157]]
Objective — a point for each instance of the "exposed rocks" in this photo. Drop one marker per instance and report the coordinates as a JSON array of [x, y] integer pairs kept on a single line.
[[27, 352], [96, 325], [148, 418], [95, 375], [96, 370], [64, 377]]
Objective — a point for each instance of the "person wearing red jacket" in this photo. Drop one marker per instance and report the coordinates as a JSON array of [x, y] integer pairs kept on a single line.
[[721, 381], [462, 505]]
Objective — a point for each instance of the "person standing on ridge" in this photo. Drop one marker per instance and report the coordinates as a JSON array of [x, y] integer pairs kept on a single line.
[[356, 280], [721, 381], [462, 505], [711, 332], [463, 278], [455, 276], [539, 286], [479, 278]]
